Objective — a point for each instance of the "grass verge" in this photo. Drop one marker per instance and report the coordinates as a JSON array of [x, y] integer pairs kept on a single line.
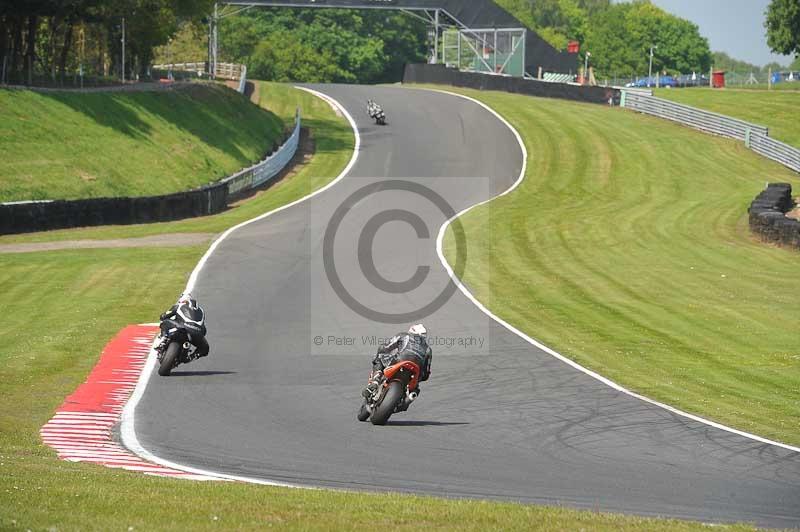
[[776, 109], [627, 249], [66, 145], [82, 298]]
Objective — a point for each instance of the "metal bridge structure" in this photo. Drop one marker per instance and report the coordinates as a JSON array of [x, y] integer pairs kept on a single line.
[[475, 35]]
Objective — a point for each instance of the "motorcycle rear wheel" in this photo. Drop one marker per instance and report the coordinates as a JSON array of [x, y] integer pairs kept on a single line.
[[168, 361], [391, 398]]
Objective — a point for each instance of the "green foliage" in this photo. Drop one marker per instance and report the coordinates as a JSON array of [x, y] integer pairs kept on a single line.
[[47, 36], [619, 35], [620, 38], [783, 26], [328, 45], [723, 61], [188, 45]]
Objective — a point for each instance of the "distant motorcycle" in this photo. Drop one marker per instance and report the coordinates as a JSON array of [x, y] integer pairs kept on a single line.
[[376, 112], [177, 348], [394, 393]]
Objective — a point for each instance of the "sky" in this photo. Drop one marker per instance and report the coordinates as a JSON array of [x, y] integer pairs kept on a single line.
[[735, 27]]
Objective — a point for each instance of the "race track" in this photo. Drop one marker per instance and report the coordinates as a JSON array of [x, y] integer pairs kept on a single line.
[[499, 419]]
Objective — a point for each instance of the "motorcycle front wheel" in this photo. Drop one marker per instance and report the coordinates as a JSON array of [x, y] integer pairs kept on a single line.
[[393, 395], [168, 361], [363, 412]]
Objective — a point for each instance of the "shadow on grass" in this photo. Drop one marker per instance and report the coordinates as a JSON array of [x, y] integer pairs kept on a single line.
[[216, 116]]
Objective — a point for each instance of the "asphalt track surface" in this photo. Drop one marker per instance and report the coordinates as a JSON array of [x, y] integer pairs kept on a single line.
[[498, 419]]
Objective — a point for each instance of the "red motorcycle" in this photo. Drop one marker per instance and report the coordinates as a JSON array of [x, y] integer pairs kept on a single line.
[[394, 393]]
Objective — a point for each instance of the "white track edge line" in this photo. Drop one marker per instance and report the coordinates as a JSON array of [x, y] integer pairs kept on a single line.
[[549, 351], [127, 427]]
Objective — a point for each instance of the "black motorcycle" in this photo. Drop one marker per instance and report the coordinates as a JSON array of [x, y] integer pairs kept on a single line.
[[177, 348], [376, 112]]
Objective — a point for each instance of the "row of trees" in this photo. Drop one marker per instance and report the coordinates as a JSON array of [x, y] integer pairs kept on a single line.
[[619, 34], [51, 38], [323, 45]]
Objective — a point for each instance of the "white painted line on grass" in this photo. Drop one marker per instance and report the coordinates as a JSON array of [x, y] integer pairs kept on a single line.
[[549, 351]]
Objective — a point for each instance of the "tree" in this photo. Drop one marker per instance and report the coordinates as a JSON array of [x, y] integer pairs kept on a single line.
[[358, 46], [783, 26], [620, 38]]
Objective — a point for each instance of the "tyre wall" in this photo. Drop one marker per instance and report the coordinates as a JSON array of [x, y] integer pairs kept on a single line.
[[26, 217], [768, 216]]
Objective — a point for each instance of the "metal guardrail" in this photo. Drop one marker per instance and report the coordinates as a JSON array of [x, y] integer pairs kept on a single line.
[[224, 70], [267, 169], [230, 71], [755, 137], [707, 121], [776, 150], [243, 80]]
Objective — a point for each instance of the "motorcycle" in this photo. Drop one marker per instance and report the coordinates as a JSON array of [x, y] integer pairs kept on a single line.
[[177, 348], [376, 112], [394, 393]]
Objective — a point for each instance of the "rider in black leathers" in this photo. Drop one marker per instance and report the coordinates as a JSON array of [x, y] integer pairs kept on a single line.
[[186, 306], [411, 345]]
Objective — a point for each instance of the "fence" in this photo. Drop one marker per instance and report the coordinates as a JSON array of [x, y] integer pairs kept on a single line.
[[243, 80], [439, 74], [754, 136], [267, 169], [229, 71], [776, 150], [27, 216]]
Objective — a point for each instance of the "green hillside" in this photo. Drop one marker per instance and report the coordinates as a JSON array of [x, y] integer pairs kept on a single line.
[[57, 145]]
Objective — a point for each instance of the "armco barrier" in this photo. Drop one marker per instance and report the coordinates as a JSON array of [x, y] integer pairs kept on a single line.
[[707, 121], [243, 79], [770, 148], [755, 137], [768, 216], [25, 217], [442, 75], [260, 173]]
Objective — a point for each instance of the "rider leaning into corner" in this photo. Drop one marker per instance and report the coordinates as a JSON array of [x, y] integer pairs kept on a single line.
[[185, 309], [411, 345]]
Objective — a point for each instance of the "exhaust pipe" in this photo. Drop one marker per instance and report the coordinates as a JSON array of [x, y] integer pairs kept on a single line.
[[412, 396]]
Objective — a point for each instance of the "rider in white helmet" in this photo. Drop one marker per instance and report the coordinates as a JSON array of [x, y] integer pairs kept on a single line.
[[411, 345], [186, 308]]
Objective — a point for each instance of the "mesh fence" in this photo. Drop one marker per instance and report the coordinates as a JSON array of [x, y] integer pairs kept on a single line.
[[499, 51]]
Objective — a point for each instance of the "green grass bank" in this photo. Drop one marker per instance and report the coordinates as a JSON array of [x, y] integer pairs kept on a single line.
[[67, 145], [627, 249], [779, 110]]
